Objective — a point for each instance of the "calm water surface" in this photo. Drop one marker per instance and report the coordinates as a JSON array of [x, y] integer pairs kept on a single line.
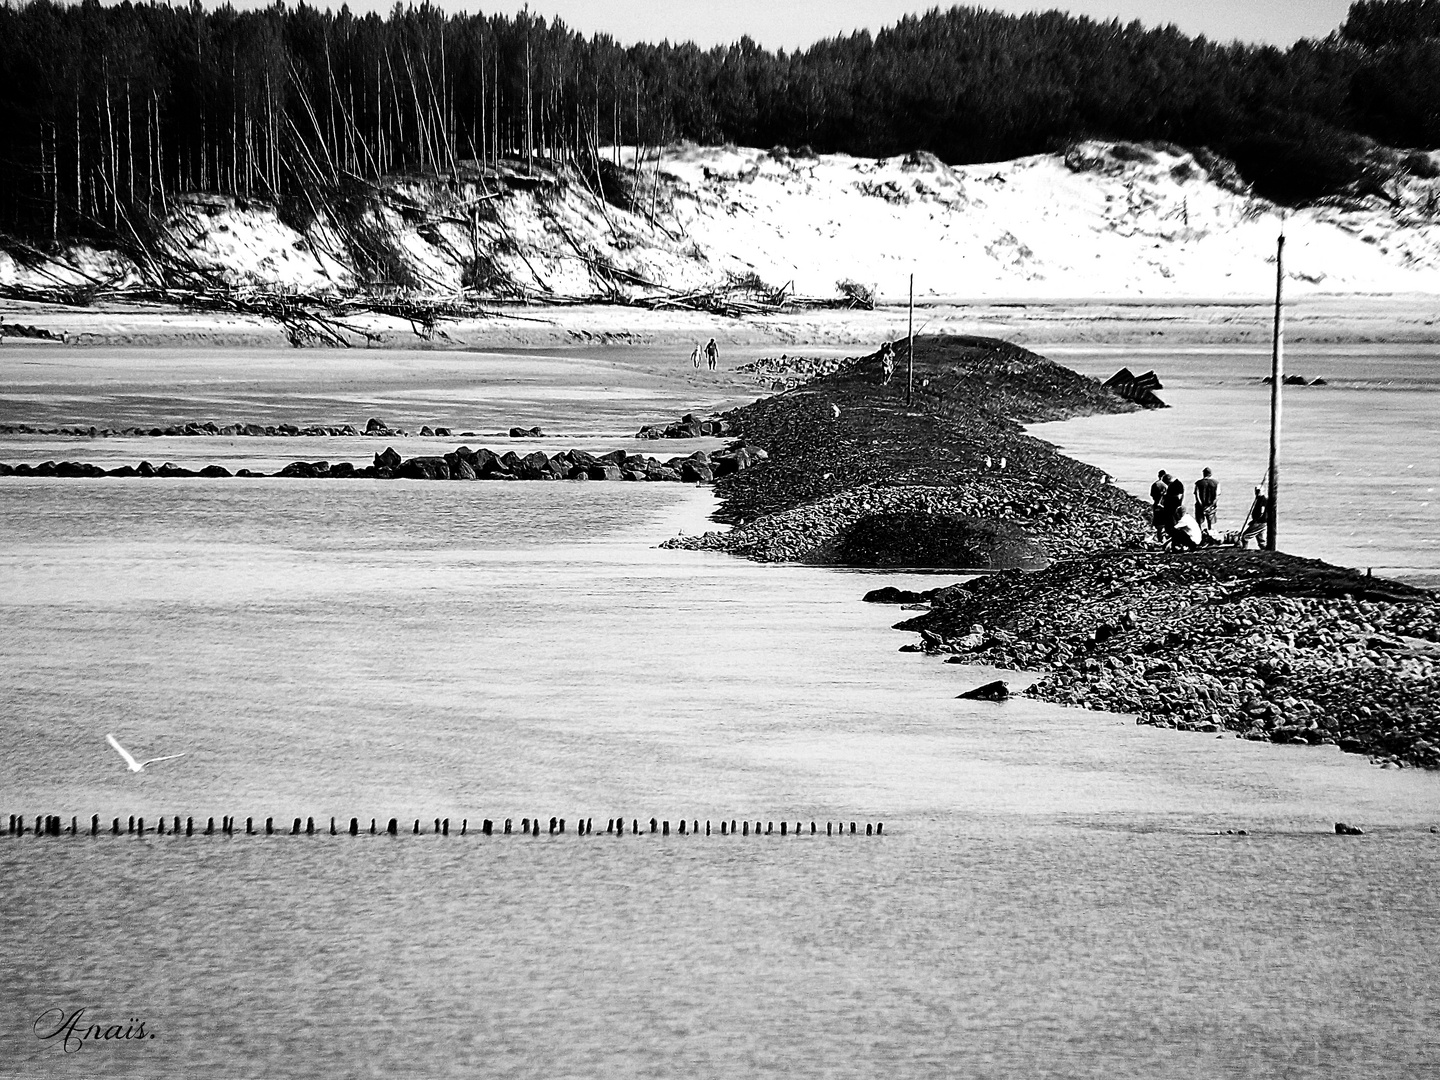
[[1056, 894], [1050, 898]]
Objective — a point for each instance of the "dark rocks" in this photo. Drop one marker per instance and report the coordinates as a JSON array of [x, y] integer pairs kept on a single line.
[[689, 426], [425, 468], [1341, 829], [694, 473], [525, 433], [999, 690], [889, 594], [215, 471]]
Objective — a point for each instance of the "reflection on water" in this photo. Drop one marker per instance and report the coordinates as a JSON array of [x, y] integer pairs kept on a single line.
[[1051, 897]]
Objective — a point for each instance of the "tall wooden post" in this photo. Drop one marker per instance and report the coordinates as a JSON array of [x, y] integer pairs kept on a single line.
[[1277, 380], [910, 350]]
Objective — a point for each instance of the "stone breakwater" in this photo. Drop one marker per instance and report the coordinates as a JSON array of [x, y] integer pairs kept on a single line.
[[463, 463], [858, 476], [1268, 646]]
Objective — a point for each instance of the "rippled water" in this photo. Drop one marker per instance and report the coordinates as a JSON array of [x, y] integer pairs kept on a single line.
[[1050, 897], [1056, 893]]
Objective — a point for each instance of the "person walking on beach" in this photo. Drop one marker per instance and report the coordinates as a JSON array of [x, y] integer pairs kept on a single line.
[[695, 356], [1207, 496], [712, 354], [1157, 505]]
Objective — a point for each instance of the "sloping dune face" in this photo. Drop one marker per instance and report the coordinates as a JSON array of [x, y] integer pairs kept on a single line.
[[1103, 220]]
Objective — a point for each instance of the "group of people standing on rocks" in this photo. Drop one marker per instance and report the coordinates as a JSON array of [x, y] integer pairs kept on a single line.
[[1174, 524], [710, 351]]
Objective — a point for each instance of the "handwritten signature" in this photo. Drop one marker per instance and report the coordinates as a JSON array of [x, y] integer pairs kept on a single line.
[[72, 1036]]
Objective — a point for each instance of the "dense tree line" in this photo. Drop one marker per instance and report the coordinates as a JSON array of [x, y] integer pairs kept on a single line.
[[107, 113]]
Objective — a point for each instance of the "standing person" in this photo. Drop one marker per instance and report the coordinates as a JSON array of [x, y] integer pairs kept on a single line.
[[887, 363], [712, 354], [1174, 502], [1207, 498], [695, 356], [1157, 505], [1257, 523]]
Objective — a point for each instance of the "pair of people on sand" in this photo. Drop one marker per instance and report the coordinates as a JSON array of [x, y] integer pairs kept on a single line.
[[710, 351]]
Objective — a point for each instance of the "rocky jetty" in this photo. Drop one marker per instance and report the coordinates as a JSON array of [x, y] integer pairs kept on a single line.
[[1266, 645], [858, 477]]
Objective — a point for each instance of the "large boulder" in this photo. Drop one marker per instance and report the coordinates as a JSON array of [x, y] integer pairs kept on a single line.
[[387, 459], [922, 539], [425, 468], [999, 690], [692, 472], [604, 472]]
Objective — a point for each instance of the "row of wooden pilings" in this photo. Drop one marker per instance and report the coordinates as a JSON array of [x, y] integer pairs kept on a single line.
[[54, 825]]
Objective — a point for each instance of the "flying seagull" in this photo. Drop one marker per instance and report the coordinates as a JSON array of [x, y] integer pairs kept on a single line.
[[136, 766]]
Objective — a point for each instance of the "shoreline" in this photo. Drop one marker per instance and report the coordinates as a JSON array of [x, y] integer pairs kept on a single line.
[[1314, 318]]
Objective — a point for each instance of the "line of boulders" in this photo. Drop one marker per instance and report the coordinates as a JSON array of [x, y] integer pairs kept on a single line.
[[462, 463], [688, 426], [1269, 647], [375, 428]]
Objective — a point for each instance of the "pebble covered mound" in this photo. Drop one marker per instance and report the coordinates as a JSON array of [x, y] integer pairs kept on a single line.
[[1266, 645], [846, 449]]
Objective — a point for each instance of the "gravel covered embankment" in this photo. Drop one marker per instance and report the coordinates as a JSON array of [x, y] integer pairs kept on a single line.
[[1270, 646], [857, 477]]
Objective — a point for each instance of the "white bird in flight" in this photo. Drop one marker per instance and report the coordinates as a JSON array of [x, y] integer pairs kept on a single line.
[[137, 766]]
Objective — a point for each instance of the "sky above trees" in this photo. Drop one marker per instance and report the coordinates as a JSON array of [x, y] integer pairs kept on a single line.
[[796, 23]]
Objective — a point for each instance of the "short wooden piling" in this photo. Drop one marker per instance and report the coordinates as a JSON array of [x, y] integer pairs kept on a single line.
[[562, 826], [130, 829], [269, 826], [354, 826], [722, 828], [249, 826], [634, 826], [176, 830], [487, 827], [372, 826], [189, 826], [782, 827], [653, 823], [507, 826], [416, 830], [682, 826], [812, 828], [437, 827], [115, 827], [139, 826], [869, 829], [707, 826], [769, 827], [852, 828], [393, 828], [464, 825], [73, 823], [879, 828], [589, 826], [160, 826], [295, 829], [445, 827], [667, 829], [210, 827], [94, 824], [332, 827], [829, 828], [747, 829]]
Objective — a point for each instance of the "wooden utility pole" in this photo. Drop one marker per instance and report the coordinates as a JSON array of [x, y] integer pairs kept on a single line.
[[1277, 380], [910, 350]]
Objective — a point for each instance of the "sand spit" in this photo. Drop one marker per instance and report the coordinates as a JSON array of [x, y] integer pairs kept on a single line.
[[1267, 645]]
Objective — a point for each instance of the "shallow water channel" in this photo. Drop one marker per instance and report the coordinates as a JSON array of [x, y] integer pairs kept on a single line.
[[1058, 892]]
